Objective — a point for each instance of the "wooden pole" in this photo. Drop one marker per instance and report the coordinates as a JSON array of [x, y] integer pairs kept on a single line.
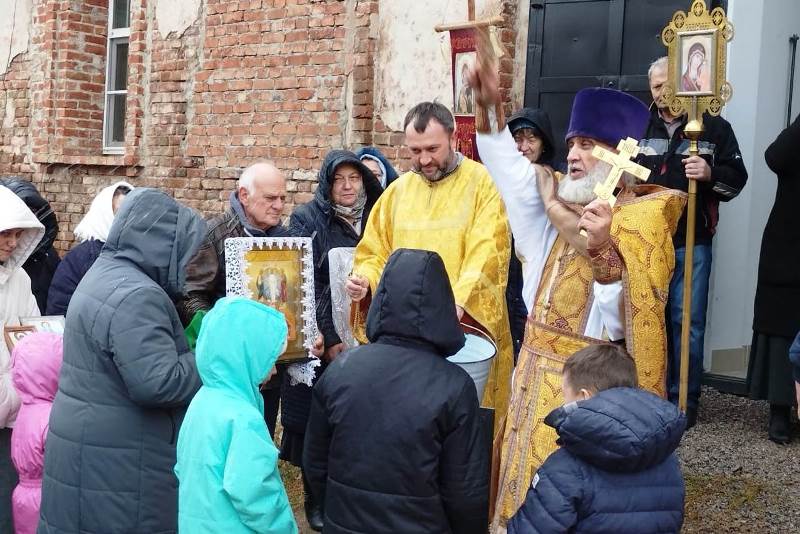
[[693, 130], [483, 23]]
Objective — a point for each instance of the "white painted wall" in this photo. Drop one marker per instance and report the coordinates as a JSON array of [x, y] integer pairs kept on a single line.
[[14, 30], [758, 67]]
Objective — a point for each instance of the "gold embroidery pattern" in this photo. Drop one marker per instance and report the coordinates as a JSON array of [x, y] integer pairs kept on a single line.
[[565, 288], [642, 229]]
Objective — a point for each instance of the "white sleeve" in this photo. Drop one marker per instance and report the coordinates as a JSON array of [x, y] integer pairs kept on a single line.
[[609, 300], [515, 179]]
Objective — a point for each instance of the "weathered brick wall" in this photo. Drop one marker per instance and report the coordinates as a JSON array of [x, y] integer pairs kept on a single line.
[[284, 80]]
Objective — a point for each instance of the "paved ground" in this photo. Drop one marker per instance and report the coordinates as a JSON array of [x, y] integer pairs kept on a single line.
[[737, 480]]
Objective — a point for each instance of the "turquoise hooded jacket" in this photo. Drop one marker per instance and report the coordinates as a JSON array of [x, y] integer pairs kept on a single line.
[[227, 464]]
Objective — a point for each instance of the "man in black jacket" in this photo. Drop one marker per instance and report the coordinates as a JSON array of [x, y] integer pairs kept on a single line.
[[255, 210], [394, 442], [721, 175]]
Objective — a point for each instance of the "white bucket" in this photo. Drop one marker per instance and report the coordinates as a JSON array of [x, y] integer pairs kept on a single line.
[[476, 357]]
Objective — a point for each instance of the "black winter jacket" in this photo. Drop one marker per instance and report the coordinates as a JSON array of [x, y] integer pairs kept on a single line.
[[616, 470], [777, 303], [42, 263], [126, 380], [394, 443], [318, 219], [718, 146], [69, 273]]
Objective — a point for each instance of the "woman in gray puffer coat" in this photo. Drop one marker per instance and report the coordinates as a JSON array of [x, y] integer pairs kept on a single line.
[[127, 378]]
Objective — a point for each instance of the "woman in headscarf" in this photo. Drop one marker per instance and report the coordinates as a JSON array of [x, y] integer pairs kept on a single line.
[[42, 263], [377, 162], [336, 217], [92, 231], [20, 233]]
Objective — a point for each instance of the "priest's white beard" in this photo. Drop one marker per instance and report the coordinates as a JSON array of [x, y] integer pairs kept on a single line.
[[581, 191]]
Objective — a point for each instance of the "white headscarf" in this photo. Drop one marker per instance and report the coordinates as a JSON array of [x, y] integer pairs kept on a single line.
[[97, 221], [15, 214]]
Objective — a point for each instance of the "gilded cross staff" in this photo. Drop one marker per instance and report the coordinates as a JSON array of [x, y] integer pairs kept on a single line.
[[712, 31]]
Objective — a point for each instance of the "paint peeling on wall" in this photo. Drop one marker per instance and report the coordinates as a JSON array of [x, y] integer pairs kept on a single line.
[[413, 61], [175, 17], [14, 30]]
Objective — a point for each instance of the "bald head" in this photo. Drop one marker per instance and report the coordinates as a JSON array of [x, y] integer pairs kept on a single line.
[[262, 193]]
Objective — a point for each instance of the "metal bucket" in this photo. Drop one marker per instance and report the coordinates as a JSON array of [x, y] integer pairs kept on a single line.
[[476, 356]]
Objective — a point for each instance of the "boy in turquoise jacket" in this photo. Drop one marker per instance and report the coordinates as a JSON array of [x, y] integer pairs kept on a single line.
[[227, 464]]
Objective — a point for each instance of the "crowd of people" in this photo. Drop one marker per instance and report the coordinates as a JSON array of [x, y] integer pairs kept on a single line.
[[156, 411]]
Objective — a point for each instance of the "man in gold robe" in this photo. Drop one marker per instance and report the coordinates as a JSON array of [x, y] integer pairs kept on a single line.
[[447, 204], [608, 287]]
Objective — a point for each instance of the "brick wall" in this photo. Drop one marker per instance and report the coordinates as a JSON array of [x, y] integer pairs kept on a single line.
[[284, 80]]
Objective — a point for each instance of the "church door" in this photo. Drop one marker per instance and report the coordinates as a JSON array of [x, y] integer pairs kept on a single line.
[[574, 44]]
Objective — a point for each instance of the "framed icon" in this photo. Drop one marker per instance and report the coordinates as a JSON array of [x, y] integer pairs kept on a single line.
[[278, 272], [47, 323], [696, 66], [14, 334]]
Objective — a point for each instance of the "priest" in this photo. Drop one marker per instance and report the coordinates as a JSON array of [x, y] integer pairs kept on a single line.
[[449, 205], [608, 287]]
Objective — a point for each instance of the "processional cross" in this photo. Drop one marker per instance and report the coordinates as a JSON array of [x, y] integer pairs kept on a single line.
[[620, 163]]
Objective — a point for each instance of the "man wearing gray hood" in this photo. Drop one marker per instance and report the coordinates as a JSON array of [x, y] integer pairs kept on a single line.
[[127, 378]]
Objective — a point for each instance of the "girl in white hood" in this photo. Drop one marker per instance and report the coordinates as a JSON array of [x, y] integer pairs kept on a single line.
[[20, 232], [92, 231]]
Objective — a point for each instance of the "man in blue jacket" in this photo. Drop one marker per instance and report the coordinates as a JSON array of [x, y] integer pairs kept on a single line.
[[616, 470]]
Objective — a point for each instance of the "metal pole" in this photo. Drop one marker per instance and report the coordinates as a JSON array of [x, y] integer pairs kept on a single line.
[[793, 45], [693, 130]]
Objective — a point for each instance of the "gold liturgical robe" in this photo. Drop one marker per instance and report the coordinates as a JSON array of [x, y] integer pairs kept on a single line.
[[641, 231], [463, 219]]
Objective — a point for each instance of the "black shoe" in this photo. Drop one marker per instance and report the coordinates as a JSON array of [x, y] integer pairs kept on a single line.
[[779, 424], [313, 515], [691, 417]]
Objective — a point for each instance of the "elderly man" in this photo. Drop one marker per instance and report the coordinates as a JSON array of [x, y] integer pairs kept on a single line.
[[609, 287], [448, 205], [721, 175], [255, 210]]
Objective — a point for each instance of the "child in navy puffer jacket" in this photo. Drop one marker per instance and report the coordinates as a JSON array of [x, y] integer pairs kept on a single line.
[[616, 470]]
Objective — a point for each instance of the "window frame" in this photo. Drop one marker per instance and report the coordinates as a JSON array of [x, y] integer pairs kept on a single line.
[[116, 36]]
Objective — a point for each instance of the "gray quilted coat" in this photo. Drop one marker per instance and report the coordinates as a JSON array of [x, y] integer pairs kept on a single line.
[[127, 378]]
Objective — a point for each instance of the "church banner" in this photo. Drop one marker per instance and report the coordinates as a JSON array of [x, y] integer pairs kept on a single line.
[[463, 49]]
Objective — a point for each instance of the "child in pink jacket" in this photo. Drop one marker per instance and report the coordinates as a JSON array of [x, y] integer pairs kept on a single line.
[[35, 366]]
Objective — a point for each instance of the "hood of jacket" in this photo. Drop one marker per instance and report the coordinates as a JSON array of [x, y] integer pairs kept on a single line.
[[322, 196], [541, 121], [15, 214], [158, 235], [414, 302], [373, 153], [619, 429], [240, 340], [98, 220], [35, 366], [40, 208]]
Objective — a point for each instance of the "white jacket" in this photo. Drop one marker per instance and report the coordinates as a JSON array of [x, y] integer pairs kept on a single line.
[[16, 298]]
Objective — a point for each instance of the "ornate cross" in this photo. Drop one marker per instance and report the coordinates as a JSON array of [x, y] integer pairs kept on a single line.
[[622, 162]]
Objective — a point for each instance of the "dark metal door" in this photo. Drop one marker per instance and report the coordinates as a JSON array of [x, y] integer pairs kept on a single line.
[[574, 44]]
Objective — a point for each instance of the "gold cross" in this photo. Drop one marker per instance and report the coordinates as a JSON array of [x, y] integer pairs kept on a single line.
[[628, 149]]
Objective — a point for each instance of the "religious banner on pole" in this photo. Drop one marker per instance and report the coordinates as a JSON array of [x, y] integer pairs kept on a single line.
[[463, 54], [463, 50]]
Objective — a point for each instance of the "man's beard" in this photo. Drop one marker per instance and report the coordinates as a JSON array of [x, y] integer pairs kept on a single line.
[[441, 170], [581, 191]]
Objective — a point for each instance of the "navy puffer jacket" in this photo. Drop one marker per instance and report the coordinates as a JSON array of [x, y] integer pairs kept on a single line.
[[616, 470]]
